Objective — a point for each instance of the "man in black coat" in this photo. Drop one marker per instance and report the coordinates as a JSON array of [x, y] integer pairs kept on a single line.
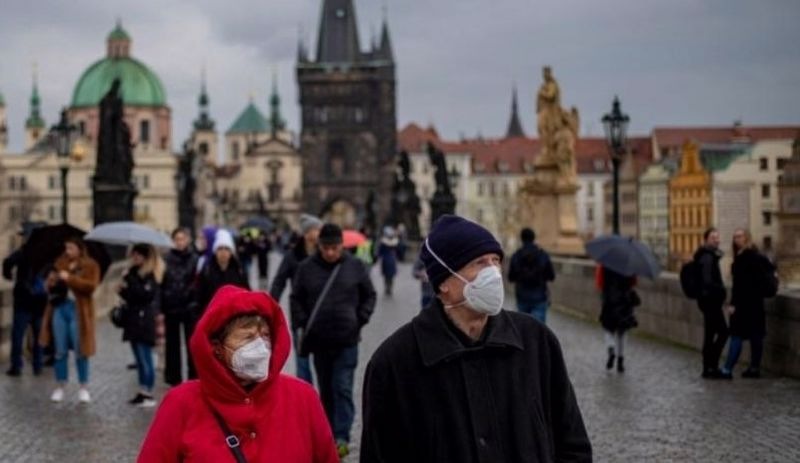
[[329, 322], [179, 305], [711, 299], [466, 381], [305, 246]]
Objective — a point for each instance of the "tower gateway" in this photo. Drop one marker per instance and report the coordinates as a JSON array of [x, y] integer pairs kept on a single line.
[[348, 134]]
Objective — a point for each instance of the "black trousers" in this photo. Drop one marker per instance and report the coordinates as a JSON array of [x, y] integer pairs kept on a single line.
[[172, 327], [715, 332]]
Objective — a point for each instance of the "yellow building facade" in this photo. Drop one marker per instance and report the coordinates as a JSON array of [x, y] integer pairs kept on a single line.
[[690, 206]]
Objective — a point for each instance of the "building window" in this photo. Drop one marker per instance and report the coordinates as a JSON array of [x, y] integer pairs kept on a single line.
[[506, 190], [235, 150], [491, 189], [144, 131], [145, 181], [480, 188], [82, 127], [13, 213], [763, 164], [51, 182], [203, 148], [12, 183], [767, 242], [782, 163], [480, 215], [52, 212], [765, 190], [590, 213], [767, 216], [590, 189]]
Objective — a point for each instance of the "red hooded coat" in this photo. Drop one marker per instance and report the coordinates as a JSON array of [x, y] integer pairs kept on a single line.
[[280, 420]]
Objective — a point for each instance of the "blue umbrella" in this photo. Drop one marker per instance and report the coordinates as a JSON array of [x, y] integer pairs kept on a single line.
[[625, 256]]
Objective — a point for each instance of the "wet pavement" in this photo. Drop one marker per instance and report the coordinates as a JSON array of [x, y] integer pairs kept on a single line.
[[659, 410]]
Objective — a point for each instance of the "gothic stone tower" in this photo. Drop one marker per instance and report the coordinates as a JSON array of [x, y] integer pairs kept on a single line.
[[348, 135]]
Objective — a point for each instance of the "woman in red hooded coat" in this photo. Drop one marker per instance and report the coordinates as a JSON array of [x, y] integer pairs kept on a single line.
[[239, 347]]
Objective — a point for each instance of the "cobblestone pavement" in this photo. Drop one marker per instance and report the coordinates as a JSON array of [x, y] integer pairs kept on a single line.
[[659, 410]]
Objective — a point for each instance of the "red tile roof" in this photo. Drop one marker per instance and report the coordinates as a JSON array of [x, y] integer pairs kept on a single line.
[[676, 136]]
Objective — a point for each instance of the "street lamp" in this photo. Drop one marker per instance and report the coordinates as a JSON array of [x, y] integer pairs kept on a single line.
[[62, 136], [615, 124]]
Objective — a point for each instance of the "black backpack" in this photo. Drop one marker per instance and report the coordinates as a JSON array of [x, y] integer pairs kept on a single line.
[[691, 280], [530, 268]]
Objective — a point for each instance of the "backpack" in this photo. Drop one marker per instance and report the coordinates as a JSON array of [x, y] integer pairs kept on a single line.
[[691, 280], [530, 267]]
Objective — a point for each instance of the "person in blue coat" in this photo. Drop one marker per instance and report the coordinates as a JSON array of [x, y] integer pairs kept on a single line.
[[387, 254]]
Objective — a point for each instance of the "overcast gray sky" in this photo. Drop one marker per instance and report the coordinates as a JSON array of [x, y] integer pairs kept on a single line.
[[673, 62]]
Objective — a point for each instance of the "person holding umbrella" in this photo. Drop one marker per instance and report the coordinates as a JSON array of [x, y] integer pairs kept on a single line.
[[69, 320]]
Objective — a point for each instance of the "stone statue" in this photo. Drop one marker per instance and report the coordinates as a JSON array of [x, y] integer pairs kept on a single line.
[[558, 128], [405, 202], [187, 186], [443, 201], [114, 148]]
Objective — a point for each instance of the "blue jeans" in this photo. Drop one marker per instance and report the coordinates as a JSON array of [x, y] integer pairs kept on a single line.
[[735, 349], [66, 337], [22, 319], [303, 366], [335, 370], [537, 310], [143, 354]]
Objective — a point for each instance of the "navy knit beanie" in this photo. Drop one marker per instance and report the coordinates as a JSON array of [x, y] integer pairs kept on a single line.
[[457, 241]]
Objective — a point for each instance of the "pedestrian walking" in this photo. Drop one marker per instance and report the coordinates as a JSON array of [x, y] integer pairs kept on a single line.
[[387, 254], [30, 299], [616, 313], [751, 272], [263, 247], [710, 300], [223, 268], [425, 289], [530, 270], [140, 289], [179, 305], [332, 299], [466, 380], [305, 246], [69, 317], [242, 408]]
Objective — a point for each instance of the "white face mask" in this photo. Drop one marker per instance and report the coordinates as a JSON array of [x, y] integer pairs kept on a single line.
[[251, 361], [484, 294]]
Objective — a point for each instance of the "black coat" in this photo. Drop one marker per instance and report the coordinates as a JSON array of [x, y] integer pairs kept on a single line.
[[749, 271], [291, 260], [712, 290], [29, 294], [178, 290], [212, 277], [347, 306], [617, 310], [432, 395], [142, 296]]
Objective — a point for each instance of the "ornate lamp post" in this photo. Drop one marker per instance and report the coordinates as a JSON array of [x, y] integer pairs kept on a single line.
[[61, 134], [615, 124]]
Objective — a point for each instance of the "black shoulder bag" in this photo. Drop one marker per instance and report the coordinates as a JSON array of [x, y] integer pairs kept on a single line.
[[230, 438], [315, 310]]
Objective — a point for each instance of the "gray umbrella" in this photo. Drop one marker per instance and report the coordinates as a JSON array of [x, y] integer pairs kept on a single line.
[[127, 233], [625, 256]]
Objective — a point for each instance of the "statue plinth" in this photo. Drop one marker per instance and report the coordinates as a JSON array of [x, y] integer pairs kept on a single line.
[[113, 202], [549, 194]]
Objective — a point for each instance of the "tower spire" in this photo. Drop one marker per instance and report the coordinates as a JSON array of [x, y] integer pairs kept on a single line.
[[35, 120], [337, 41], [276, 120], [203, 121], [514, 125], [386, 41]]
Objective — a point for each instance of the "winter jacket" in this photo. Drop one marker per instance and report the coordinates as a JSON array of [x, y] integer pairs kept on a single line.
[[142, 296], [83, 280], [530, 269], [749, 271], [288, 268], [387, 253], [713, 288], [211, 277], [279, 420], [347, 306], [177, 290], [616, 313], [431, 394], [29, 293]]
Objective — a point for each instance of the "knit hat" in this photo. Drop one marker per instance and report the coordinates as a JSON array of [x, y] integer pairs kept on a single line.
[[223, 239], [456, 241], [309, 222], [330, 233]]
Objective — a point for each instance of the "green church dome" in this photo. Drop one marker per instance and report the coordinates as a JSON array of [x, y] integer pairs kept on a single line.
[[140, 85]]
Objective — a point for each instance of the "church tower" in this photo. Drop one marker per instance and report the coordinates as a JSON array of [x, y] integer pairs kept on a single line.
[[34, 124], [204, 136], [3, 125], [514, 125], [348, 117]]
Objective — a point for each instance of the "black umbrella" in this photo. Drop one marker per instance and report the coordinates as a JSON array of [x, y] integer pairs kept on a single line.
[[262, 223], [46, 244], [625, 256]]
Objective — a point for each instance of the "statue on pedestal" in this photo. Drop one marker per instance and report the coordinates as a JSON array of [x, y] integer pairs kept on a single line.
[[558, 128], [114, 191], [186, 183], [405, 202], [443, 201]]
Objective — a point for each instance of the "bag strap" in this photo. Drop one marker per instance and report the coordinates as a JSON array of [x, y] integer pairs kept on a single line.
[[321, 297], [231, 440]]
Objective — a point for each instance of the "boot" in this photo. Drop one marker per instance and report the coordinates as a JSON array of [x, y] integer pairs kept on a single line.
[[611, 357], [620, 365]]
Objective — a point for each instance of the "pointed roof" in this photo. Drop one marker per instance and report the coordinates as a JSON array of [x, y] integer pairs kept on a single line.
[[514, 125], [276, 121], [35, 120], [203, 121], [385, 50], [119, 33], [250, 120], [337, 41]]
